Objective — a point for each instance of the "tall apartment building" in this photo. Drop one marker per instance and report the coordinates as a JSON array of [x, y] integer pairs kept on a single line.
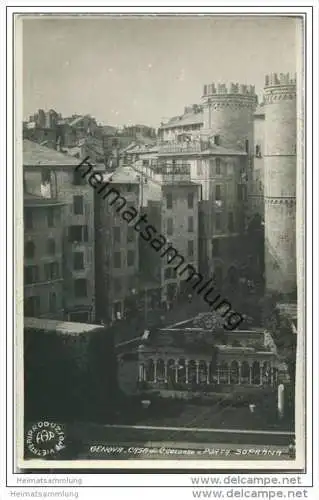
[[170, 203], [43, 257], [50, 177], [117, 248]]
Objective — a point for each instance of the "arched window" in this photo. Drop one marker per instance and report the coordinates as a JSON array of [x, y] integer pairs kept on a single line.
[[51, 246], [29, 250]]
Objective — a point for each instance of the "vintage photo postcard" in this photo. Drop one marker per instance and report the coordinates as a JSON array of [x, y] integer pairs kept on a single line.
[[160, 177]]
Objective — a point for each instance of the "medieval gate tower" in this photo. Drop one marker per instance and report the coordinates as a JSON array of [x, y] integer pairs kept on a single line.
[[228, 126], [280, 183], [229, 113]]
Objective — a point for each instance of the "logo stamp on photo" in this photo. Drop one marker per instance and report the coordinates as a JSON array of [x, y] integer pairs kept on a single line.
[[45, 438]]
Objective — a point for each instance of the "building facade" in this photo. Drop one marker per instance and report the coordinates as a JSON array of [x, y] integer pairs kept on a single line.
[[216, 138], [117, 246], [171, 207], [43, 257], [51, 175]]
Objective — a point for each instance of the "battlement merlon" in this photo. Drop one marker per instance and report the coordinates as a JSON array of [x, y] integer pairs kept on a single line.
[[284, 79], [213, 89]]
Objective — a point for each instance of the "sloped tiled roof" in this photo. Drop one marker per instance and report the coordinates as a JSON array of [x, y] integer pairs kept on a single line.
[[142, 148], [36, 155], [181, 121]]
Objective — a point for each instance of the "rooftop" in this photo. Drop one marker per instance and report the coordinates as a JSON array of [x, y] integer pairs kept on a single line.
[[202, 333], [61, 327], [36, 155], [122, 175], [182, 120], [143, 148]]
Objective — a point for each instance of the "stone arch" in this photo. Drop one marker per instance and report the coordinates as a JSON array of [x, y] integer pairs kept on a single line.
[[234, 372], [160, 369], [150, 370], [202, 372], [256, 373], [192, 371], [266, 372], [245, 373], [171, 370], [142, 374], [181, 371], [223, 372]]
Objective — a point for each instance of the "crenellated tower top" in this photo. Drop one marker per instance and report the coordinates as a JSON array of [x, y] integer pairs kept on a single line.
[[279, 87], [231, 89], [281, 79]]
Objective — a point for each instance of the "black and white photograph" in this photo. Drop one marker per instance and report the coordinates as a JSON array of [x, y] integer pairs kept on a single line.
[[161, 264]]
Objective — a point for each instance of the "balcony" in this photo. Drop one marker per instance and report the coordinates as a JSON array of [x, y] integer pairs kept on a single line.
[[182, 148], [173, 173]]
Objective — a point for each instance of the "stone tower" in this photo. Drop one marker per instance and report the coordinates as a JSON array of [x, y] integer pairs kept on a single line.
[[280, 183], [228, 113], [228, 128]]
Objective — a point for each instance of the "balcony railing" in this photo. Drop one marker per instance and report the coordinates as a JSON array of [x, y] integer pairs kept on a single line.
[[184, 147], [164, 169]]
